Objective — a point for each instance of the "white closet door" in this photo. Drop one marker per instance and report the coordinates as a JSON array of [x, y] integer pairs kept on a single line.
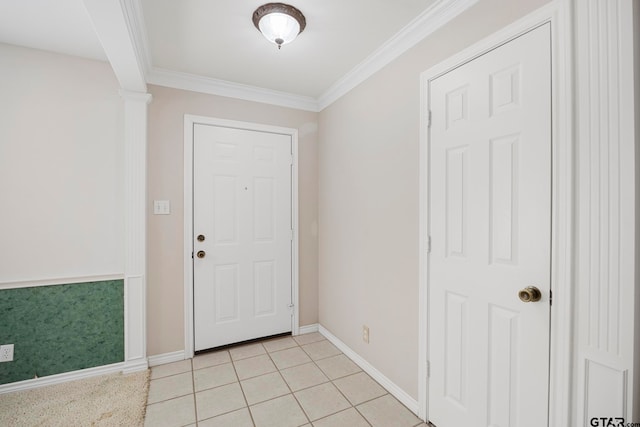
[[490, 223]]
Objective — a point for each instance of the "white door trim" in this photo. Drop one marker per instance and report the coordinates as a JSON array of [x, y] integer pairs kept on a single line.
[[559, 14], [189, 122]]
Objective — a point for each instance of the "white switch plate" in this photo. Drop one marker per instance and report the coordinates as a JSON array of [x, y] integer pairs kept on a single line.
[[161, 207], [6, 353]]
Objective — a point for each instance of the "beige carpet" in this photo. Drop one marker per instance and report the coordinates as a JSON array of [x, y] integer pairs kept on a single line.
[[107, 400]]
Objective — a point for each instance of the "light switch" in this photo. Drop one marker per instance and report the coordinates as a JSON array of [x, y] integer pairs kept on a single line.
[[161, 207]]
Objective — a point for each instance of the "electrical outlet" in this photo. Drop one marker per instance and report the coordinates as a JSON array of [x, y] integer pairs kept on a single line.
[[6, 353], [365, 333]]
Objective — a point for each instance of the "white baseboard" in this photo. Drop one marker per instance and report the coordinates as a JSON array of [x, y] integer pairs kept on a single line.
[[161, 359], [308, 329], [135, 365], [62, 378], [385, 382]]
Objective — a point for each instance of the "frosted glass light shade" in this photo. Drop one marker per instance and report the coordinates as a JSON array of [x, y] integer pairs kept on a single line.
[[279, 28], [279, 23]]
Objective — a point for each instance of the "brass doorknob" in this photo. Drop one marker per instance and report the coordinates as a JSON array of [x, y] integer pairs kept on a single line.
[[530, 294], [201, 254]]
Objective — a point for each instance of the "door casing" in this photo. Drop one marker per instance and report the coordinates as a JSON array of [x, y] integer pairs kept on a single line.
[[189, 122], [558, 13]]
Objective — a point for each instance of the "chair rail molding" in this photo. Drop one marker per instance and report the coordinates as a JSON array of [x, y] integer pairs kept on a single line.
[[135, 158]]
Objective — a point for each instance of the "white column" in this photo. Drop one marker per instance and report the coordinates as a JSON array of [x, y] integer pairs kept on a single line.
[[135, 140], [606, 381]]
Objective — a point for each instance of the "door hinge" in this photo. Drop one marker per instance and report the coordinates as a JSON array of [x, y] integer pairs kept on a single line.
[[428, 244], [428, 369], [291, 159], [291, 236], [550, 297], [429, 119]]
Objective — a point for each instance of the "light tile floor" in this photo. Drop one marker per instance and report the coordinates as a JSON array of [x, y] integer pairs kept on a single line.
[[281, 382]]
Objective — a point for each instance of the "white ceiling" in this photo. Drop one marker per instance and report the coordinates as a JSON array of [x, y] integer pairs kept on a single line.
[[217, 39], [61, 26], [212, 45]]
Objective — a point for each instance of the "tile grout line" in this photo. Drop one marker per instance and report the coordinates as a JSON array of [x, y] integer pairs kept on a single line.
[[330, 382], [345, 410], [240, 384], [362, 415], [244, 396], [386, 392], [170, 398], [220, 385], [340, 391], [312, 362], [287, 384], [348, 375], [193, 385]]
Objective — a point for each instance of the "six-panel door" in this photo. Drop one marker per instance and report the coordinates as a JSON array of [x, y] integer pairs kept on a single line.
[[242, 235], [490, 223]]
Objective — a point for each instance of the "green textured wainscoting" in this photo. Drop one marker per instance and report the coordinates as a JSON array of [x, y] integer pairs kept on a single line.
[[61, 328]]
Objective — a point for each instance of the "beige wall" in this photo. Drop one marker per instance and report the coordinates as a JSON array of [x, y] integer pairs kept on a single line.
[[358, 175], [368, 198], [61, 167], [165, 283]]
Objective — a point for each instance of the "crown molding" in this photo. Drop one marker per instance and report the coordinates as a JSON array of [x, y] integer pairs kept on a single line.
[[179, 80], [433, 18], [195, 83]]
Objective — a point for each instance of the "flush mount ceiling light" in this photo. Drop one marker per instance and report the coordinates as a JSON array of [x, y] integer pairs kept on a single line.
[[279, 22]]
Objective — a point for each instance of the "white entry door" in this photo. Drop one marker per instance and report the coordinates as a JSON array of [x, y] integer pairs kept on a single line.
[[242, 227], [490, 224]]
